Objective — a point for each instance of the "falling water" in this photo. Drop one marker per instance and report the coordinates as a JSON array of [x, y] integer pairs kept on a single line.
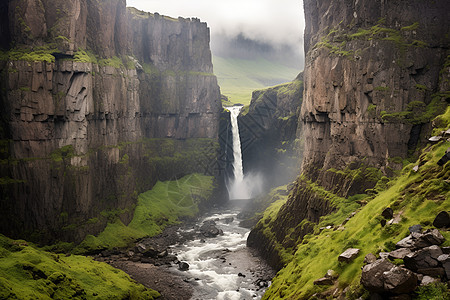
[[238, 188]]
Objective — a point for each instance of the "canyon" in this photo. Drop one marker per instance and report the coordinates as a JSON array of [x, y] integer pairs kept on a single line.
[[101, 103]]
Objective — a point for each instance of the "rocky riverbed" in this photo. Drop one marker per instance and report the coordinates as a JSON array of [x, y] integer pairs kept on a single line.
[[206, 259]]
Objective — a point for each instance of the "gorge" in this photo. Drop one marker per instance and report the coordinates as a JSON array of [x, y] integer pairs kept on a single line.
[[112, 129]]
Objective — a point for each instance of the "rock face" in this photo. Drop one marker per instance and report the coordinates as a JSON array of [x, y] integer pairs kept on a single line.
[[83, 132], [268, 133], [370, 71], [372, 81]]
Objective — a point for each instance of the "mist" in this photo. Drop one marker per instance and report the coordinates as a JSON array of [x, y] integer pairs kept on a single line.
[[274, 27]]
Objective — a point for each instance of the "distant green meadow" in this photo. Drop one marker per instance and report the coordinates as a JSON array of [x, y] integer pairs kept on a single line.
[[238, 78]]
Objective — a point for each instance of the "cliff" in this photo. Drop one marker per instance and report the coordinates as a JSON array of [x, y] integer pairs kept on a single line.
[[99, 101], [375, 78], [268, 131]]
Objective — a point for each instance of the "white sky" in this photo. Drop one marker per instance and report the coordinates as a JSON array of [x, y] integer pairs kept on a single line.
[[273, 21]]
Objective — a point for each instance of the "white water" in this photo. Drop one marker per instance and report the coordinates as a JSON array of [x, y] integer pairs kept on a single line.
[[214, 263], [241, 187]]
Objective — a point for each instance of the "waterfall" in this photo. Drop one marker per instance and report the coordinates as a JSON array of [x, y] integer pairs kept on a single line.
[[237, 188]]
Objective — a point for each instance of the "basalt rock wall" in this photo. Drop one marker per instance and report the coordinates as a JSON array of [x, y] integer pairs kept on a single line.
[[372, 86], [99, 101]]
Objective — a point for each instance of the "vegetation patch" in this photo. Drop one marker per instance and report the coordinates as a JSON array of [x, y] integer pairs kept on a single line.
[[416, 196], [165, 204], [28, 272]]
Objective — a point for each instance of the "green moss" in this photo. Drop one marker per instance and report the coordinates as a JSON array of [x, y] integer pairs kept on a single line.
[[418, 196], [114, 62], [32, 55], [434, 291], [85, 56], [417, 112], [62, 153], [28, 272], [163, 205], [381, 88], [411, 27]]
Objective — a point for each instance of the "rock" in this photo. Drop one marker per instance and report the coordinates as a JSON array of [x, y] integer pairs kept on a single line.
[[399, 253], [444, 159], [370, 258], [387, 213], [442, 220], [209, 229], [435, 138], [332, 274], [426, 280], [417, 240], [228, 220], [445, 250], [323, 281], [415, 168], [423, 259], [415, 228], [349, 254], [241, 275], [383, 276], [383, 222], [433, 272], [384, 255], [183, 266], [400, 280]]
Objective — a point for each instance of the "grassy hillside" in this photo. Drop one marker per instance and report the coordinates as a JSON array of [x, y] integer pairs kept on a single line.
[[28, 272], [238, 78], [163, 205], [416, 197]]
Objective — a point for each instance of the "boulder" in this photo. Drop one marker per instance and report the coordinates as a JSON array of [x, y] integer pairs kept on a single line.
[[349, 254], [209, 229], [417, 240], [415, 228], [370, 258], [383, 276], [372, 275], [323, 281], [399, 253], [183, 266], [442, 220], [400, 280], [423, 259], [433, 272], [387, 213]]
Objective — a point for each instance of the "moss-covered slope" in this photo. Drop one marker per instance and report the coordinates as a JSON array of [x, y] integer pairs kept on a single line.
[[28, 272], [415, 197]]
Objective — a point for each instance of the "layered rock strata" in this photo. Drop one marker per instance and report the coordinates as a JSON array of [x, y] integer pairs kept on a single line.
[[99, 101], [376, 75]]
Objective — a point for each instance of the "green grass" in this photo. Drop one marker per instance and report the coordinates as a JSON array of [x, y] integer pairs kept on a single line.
[[163, 205], [238, 78], [420, 196], [28, 272], [417, 196]]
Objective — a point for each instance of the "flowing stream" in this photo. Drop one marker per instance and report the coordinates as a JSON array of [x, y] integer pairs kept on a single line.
[[222, 267]]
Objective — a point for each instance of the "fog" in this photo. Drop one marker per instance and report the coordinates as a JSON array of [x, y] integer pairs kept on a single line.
[[276, 25]]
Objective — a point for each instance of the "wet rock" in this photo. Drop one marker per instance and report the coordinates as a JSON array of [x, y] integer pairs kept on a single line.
[[387, 213], [228, 220], [349, 254], [209, 229], [423, 259], [370, 258], [183, 266], [399, 253], [383, 276], [442, 220], [415, 228], [241, 275], [444, 159]]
